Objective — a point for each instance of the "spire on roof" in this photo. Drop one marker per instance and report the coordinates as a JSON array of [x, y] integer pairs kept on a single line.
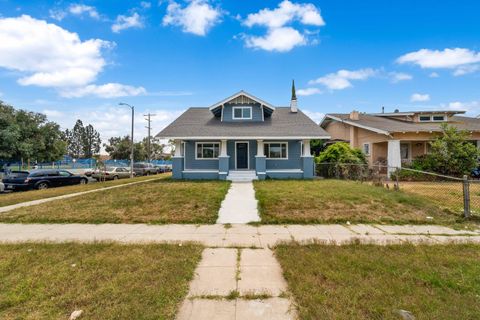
[[294, 93], [293, 102]]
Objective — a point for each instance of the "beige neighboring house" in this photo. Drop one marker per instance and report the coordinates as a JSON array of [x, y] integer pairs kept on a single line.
[[397, 137]]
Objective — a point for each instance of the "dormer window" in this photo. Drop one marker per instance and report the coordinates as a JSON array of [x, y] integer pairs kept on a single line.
[[242, 113], [434, 118]]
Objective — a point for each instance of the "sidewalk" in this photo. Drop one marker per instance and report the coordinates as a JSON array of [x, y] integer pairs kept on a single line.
[[240, 235], [239, 205]]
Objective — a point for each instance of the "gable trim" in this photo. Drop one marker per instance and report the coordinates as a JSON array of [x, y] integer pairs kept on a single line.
[[240, 93]]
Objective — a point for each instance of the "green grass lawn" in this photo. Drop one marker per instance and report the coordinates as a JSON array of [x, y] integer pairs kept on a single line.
[[7, 199], [160, 201], [106, 281], [339, 201], [373, 282]]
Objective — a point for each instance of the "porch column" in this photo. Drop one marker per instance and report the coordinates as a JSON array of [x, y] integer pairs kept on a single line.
[[307, 161], [177, 161], [394, 159], [223, 161], [260, 161]]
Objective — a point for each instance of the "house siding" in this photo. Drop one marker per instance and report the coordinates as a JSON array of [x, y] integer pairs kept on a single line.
[[256, 112], [192, 164], [294, 160]]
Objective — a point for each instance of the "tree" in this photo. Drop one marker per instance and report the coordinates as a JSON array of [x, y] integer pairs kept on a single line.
[[451, 153], [119, 149], [156, 149], [29, 136], [83, 142], [91, 141], [341, 152]]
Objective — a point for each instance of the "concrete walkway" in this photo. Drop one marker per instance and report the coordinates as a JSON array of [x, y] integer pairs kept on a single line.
[[239, 205], [245, 236], [70, 195], [237, 284]]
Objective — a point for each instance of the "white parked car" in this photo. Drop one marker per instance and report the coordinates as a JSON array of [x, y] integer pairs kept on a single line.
[[2, 187]]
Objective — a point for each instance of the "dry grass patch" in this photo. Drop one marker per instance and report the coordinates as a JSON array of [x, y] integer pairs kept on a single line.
[[160, 201], [7, 199], [374, 282], [106, 281], [338, 201]]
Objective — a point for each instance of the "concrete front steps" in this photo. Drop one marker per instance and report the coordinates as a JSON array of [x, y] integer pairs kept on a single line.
[[242, 175]]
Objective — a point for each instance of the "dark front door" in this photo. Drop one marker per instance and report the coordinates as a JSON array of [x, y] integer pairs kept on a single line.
[[242, 155]]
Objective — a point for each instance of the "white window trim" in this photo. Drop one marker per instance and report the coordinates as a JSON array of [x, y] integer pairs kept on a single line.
[[369, 149], [242, 118], [248, 155], [205, 142], [275, 142]]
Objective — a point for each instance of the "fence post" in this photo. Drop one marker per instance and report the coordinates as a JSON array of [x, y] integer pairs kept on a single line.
[[466, 197]]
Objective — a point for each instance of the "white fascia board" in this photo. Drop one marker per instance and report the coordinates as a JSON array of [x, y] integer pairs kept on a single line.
[[248, 138], [358, 125]]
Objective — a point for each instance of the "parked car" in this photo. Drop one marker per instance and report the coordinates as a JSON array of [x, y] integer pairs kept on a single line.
[[2, 187], [42, 179], [144, 169], [161, 168], [111, 173]]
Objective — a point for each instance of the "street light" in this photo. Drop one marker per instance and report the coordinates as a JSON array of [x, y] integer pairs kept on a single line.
[[131, 151]]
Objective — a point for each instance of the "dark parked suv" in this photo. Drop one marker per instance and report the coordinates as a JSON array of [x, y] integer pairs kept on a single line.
[[41, 179], [144, 169]]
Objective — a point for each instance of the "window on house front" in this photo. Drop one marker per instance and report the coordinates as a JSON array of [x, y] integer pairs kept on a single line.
[[438, 118], [366, 148], [208, 150], [242, 113], [431, 118], [424, 118], [276, 150]]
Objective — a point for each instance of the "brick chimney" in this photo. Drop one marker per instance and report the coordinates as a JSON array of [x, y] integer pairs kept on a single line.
[[354, 115]]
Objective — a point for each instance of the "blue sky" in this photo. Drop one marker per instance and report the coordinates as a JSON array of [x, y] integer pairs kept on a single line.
[[79, 59]]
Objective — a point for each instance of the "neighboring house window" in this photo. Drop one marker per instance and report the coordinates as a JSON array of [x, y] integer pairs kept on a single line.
[[424, 118], [276, 150], [208, 150], [438, 118], [241, 113], [366, 148]]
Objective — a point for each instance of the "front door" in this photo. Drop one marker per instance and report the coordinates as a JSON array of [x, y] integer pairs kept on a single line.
[[242, 155]]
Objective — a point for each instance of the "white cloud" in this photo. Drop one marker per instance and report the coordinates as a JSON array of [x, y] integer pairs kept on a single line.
[[53, 113], [198, 17], [145, 5], [125, 22], [472, 107], [278, 39], [109, 90], [314, 115], [279, 36], [48, 55], [418, 97], [285, 13], [434, 75], [308, 91], [80, 9], [399, 76], [460, 59], [57, 14], [342, 79]]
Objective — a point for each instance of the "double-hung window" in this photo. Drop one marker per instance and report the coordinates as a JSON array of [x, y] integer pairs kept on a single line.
[[242, 113], [208, 150], [276, 150]]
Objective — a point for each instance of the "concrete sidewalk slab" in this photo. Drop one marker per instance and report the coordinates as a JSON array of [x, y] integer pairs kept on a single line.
[[268, 309], [239, 205]]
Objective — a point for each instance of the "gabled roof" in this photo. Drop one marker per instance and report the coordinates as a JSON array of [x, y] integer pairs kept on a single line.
[[384, 125], [238, 94], [198, 123]]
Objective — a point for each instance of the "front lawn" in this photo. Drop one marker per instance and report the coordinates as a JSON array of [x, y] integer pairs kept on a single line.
[[339, 201], [7, 199], [106, 281], [160, 201], [375, 282]]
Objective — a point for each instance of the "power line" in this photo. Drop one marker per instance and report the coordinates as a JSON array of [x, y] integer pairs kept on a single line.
[[149, 127]]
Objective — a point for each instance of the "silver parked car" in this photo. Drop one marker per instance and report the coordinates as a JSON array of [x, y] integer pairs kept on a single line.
[[2, 187], [111, 173]]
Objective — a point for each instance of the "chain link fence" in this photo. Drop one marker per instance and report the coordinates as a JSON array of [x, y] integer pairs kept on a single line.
[[453, 194]]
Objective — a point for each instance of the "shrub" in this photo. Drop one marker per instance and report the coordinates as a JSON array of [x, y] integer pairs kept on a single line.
[[341, 152]]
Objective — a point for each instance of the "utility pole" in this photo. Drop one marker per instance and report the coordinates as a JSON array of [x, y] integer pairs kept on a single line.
[[131, 138], [149, 139]]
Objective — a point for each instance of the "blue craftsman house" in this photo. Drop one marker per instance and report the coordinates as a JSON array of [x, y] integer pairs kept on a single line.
[[243, 138]]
